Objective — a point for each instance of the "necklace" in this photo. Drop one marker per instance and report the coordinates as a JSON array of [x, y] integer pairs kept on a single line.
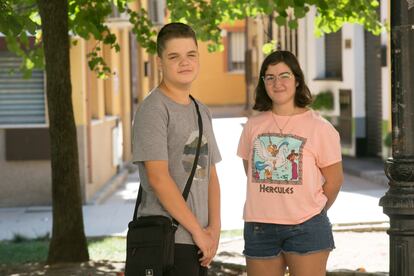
[[281, 128]]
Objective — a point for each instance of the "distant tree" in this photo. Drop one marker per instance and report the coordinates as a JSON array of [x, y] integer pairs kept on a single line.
[[53, 22]]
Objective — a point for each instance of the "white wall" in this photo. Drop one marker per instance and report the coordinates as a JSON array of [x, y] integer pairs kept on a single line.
[[386, 78], [312, 59]]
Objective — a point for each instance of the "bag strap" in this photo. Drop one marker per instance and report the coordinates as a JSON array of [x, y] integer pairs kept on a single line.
[[193, 170], [200, 136]]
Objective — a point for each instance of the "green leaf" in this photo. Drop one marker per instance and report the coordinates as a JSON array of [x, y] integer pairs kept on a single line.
[[299, 3], [110, 39], [374, 4], [300, 12], [280, 20], [269, 47], [29, 64], [293, 24]]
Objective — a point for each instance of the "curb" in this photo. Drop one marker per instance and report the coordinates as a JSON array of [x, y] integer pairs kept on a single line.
[[239, 269], [345, 272], [376, 177], [373, 175], [361, 227]]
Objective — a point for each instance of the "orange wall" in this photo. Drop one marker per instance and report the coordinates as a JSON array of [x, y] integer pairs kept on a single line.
[[77, 71], [215, 85]]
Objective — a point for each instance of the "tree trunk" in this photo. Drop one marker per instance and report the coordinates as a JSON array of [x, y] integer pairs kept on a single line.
[[68, 243]]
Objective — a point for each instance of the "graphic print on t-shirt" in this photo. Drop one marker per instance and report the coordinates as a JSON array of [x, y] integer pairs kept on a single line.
[[277, 159], [189, 153]]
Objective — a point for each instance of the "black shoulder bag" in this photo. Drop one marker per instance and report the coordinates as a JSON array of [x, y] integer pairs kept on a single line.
[[151, 239]]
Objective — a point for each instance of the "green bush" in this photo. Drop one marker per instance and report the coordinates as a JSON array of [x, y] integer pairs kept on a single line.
[[323, 101], [388, 140]]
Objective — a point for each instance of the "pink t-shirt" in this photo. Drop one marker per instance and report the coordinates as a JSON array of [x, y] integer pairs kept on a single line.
[[284, 181]]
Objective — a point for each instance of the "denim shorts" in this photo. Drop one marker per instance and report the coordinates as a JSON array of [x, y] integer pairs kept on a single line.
[[267, 240]]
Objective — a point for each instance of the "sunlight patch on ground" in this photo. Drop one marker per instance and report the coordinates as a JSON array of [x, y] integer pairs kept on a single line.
[[130, 191]]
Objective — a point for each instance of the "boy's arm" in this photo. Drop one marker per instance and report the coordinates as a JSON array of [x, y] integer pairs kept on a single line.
[[214, 220], [172, 200]]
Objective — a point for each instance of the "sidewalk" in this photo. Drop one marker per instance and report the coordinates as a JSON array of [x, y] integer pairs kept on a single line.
[[369, 168], [354, 215]]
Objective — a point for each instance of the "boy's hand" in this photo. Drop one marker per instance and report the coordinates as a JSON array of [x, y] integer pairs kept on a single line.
[[206, 244], [215, 235]]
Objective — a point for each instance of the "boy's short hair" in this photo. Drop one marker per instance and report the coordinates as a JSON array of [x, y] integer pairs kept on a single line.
[[173, 30]]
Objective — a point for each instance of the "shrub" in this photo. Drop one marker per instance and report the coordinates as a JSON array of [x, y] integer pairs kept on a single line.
[[323, 101]]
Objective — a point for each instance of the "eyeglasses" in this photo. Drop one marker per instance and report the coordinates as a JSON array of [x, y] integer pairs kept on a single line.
[[283, 78]]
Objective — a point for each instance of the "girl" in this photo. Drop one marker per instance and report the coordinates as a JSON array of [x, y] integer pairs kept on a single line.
[[286, 224]]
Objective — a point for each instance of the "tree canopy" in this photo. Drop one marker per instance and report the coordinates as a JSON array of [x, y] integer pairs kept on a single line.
[[20, 18]]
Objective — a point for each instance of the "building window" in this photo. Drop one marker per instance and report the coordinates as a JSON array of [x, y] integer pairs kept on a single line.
[[333, 55], [116, 15], [236, 49], [22, 101], [156, 11], [345, 117]]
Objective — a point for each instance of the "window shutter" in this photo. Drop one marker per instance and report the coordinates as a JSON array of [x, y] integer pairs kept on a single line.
[[237, 50], [22, 101], [156, 10], [333, 55]]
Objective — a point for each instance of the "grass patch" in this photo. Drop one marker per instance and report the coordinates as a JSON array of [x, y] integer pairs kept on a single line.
[[23, 250], [231, 233], [108, 248]]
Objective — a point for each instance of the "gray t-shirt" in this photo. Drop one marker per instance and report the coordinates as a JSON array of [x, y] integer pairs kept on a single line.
[[166, 130]]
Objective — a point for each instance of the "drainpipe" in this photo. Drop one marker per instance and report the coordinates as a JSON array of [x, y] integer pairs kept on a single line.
[[270, 28], [398, 202]]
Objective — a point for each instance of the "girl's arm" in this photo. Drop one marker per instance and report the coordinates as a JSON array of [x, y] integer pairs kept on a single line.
[[333, 180], [245, 165]]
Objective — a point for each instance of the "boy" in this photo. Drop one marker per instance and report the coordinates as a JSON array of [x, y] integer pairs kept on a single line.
[[165, 128]]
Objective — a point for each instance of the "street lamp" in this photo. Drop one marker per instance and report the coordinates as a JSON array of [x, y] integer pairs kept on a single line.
[[398, 202]]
